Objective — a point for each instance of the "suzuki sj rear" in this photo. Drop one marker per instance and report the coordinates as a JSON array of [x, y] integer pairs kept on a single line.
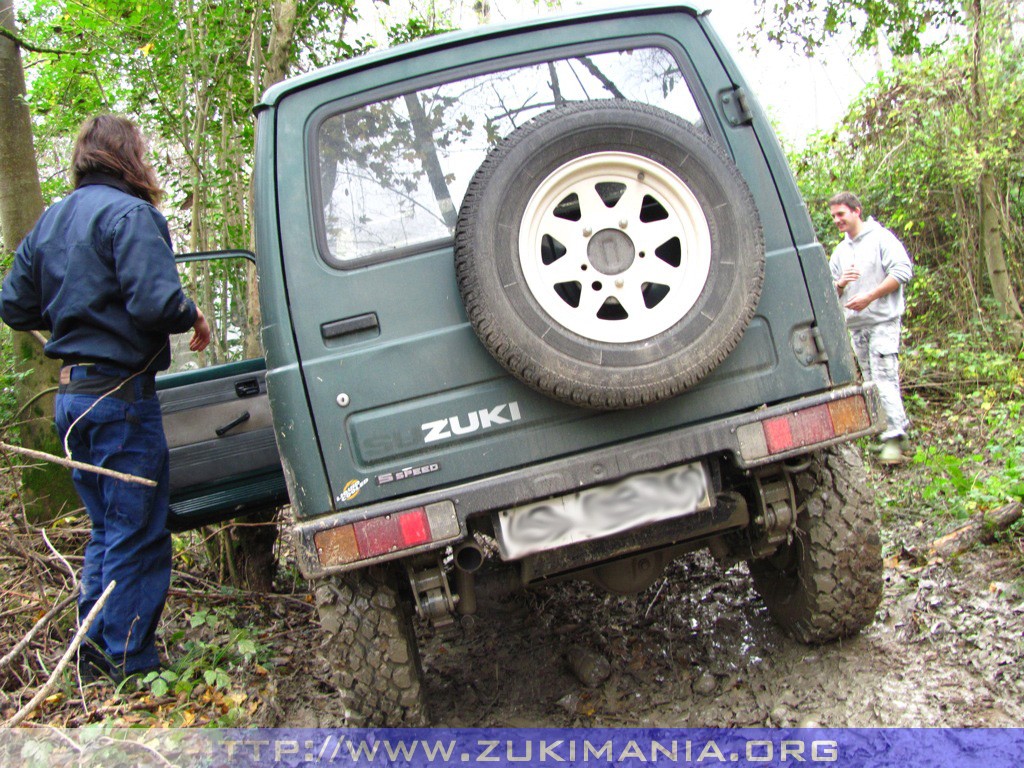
[[543, 301]]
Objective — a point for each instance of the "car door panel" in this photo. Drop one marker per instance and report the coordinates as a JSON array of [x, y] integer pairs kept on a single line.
[[217, 420]]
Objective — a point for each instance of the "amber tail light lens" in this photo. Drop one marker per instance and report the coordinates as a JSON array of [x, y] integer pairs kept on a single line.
[[804, 428]]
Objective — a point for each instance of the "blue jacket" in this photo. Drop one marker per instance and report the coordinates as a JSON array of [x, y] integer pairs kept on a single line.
[[98, 272]]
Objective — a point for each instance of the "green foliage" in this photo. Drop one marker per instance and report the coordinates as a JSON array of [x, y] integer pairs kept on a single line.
[[962, 485], [967, 363], [188, 71], [212, 652], [975, 461], [10, 382], [915, 147], [808, 24], [950, 482], [415, 28]]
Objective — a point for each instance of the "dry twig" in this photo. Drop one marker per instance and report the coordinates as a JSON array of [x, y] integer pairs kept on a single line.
[[72, 464], [59, 556], [38, 625], [43, 692]]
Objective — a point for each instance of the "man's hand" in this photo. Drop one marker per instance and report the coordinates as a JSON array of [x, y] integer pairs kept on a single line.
[[200, 333], [860, 302], [847, 277]]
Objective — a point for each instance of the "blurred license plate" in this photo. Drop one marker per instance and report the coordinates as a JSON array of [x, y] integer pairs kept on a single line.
[[598, 512]]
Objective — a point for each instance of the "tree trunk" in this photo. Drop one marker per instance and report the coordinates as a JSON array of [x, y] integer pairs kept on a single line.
[[990, 220], [252, 542], [282, 38], [992, 247], [267, 70], [47, 491], [21, 200]]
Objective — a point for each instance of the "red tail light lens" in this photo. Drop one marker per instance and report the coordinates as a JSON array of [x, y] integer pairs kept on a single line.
[[387, 533], [803, 428]]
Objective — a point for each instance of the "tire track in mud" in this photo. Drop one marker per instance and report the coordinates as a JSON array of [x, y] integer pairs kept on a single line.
[[698, 649]]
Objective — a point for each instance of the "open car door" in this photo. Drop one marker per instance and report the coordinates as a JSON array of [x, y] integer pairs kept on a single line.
[[224, 459]]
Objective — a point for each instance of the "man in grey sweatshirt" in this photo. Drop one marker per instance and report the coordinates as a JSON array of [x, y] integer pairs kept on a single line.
[[869, 268]]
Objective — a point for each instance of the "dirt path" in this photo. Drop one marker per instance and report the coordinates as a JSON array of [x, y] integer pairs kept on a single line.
[[698, 649]]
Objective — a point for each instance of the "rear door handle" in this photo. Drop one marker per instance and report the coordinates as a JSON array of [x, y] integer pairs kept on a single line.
[[221, 431], [348, 326]]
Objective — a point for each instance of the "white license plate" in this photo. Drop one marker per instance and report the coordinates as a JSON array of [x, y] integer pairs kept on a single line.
[[603, 511]]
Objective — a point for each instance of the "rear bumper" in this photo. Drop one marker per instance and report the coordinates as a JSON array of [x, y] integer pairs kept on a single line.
[[737, 436]]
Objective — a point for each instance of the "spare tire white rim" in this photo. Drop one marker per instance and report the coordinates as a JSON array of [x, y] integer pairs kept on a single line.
[[615, 247]]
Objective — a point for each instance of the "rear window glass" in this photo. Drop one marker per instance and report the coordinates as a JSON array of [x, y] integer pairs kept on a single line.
[[393, 173]]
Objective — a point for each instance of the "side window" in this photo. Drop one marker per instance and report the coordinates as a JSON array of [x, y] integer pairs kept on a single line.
[[219, 284], [393, 173]]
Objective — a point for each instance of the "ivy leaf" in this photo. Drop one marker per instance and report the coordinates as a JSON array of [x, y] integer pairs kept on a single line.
[[159, 687], [247, 647]]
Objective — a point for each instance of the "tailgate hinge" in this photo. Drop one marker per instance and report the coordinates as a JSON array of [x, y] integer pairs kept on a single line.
[[735, 106], [809, 346]]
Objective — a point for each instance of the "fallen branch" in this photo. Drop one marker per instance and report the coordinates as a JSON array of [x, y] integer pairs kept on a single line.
[[981, 529], [72, 464], [38, 625], [43, 692], [139, 705], [59, 556]]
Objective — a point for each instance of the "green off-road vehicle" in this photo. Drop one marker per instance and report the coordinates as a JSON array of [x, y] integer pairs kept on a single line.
[[538, 301]]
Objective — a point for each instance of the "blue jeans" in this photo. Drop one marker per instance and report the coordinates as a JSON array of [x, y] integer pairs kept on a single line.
[[130, 543]]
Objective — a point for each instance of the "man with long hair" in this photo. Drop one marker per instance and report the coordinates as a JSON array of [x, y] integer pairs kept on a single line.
[[97, 271]]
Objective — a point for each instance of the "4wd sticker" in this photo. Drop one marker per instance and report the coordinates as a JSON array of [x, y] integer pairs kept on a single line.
[[351, 490], [405, 474], [456, 426]]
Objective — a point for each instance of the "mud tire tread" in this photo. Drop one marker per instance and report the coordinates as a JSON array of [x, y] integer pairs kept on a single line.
[[826, 583], [370, 648]]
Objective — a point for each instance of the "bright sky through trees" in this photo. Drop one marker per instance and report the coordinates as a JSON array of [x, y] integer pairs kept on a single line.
[[802, 95]]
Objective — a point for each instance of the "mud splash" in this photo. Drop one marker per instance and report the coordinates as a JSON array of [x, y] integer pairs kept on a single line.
[[698, 649]]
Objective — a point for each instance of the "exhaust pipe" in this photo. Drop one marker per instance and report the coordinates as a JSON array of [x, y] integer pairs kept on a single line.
[[468, 558]]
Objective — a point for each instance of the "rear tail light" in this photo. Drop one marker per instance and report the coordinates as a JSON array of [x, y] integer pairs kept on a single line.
[[386, 534], [804, 428]]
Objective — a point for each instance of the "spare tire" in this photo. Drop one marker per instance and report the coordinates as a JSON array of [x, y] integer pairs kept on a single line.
[[609, 254]]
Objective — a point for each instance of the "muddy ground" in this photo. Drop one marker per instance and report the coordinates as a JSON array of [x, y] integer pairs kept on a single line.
[[698, 649]]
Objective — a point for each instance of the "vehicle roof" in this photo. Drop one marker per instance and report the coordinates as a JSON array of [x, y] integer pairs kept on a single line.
[[439, 42]]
